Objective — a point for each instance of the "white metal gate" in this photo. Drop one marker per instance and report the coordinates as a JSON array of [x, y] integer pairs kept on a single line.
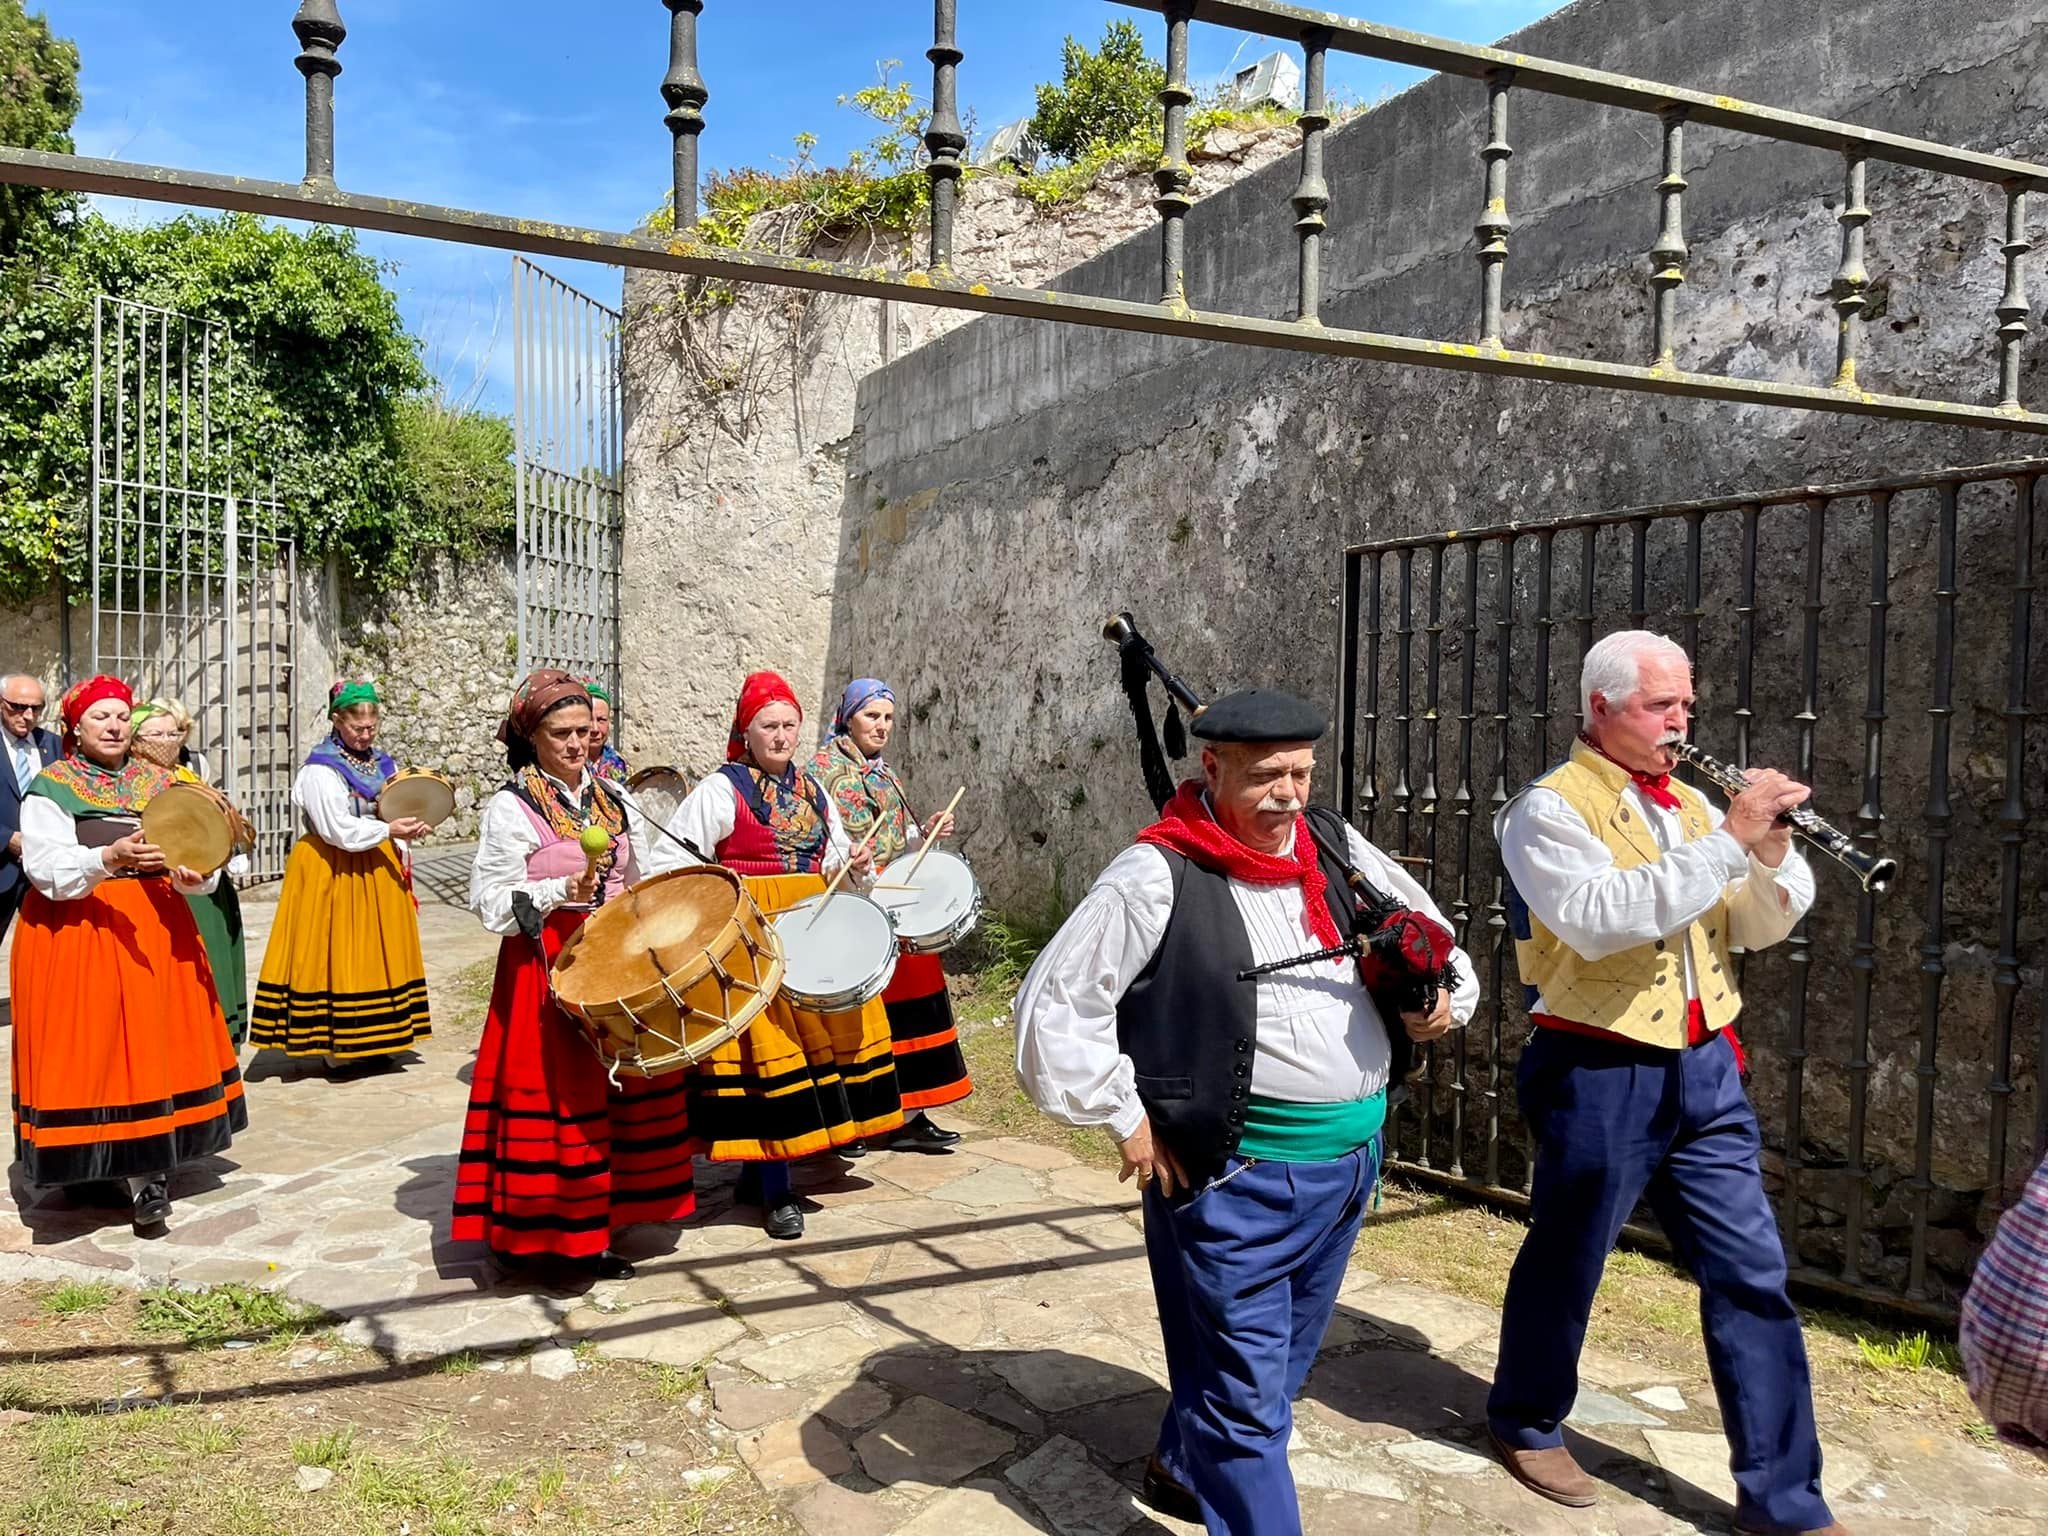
[[570, 436], [193, 572]]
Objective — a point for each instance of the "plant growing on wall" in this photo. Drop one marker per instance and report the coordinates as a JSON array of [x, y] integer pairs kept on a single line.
[[1102, 98]]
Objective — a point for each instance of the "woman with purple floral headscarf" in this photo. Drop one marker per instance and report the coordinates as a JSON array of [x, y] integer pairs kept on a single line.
[[851, 766]]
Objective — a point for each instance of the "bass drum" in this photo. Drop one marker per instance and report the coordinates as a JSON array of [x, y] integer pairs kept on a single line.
[[668, 971]]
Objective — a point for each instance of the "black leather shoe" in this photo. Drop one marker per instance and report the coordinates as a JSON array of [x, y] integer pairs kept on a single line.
[[785, 1222], [152, 1208], [1168, 1497], [853, 1149], [609, 1266], [920, 1135]]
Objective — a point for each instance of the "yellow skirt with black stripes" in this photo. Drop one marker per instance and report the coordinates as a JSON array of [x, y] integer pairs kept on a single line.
[[343, 976], [796, 1082]]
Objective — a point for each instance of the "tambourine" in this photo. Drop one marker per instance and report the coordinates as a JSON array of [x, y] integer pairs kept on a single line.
[[417, 794]]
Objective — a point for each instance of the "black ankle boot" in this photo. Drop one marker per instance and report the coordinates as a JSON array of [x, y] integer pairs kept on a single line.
[[152, 1207]]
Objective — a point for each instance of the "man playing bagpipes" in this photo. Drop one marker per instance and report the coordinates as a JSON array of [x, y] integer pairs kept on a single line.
[[1246, 1097]]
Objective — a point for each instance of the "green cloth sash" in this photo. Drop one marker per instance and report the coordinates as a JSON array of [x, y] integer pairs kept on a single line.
[[1281, 1132]]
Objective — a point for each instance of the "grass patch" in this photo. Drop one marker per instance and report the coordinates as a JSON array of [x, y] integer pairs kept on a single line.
[[672, 1385], [208, 1318], [464, 1362], [80, 1298], [1907, 1352], [332, 1449]]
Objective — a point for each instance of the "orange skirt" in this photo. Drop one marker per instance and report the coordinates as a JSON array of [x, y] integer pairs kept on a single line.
[[122, 1064], [796, 1081]]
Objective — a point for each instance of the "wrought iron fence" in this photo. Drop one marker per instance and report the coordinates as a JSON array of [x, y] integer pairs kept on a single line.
[[193, 576], [569, 443], [1877, 641], [1502, 74]]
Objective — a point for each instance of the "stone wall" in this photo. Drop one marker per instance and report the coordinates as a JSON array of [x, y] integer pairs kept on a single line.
[[444, 652], [739, 415], [1012, 482]]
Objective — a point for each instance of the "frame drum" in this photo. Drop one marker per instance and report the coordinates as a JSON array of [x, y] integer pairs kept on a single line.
[[417, 793], [194, 824], [659, 792]]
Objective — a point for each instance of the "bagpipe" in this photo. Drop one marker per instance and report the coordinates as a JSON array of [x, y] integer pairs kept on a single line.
[[1404, 956]]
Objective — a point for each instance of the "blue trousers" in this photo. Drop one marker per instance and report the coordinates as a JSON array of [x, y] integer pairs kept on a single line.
[[763, 1183], [1246, 1272], [1614, 1123]]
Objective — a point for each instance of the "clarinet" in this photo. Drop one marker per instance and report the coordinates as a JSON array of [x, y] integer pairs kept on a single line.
[[1873, 871]]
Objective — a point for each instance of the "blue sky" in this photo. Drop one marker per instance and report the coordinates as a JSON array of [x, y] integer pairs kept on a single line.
[[553, 109]]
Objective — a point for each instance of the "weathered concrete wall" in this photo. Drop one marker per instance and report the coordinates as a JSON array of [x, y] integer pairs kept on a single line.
[[739, 413], [1011, 483]]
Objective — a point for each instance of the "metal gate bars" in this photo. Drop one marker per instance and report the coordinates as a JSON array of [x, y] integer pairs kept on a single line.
[[192, 578], [1889, 1039], [1666, 109], [569, 439]]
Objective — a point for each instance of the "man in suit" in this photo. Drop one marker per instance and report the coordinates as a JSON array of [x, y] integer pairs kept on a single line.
[[27, 748]]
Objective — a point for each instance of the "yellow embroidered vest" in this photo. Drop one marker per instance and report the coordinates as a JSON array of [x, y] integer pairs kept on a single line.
[[1639, 992]]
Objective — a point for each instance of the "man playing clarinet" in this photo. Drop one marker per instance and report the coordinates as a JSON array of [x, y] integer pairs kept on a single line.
[[1627, 891], [1249, 1109]]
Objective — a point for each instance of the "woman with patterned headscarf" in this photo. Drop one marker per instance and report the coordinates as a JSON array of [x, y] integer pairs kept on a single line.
[[605, 760], [162, 732], [122, 1066], [343, 977], [930, 1069], [556, 1158], [796, 1082]]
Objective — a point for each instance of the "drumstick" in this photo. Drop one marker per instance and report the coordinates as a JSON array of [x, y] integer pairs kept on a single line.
[[866, 842], [596, 843], [931, 842]]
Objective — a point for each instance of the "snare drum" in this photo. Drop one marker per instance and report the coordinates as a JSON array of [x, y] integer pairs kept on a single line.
[[668, 971], [838, 958], [942, 907], [195, 825], [659, 793], [419, 794]]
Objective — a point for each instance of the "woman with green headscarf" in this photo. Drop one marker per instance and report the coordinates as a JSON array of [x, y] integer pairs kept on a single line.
[[343, 977], [605, 760], [162, 735]]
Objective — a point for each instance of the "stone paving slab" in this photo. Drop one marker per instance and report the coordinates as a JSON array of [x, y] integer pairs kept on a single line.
[[961, 1345]]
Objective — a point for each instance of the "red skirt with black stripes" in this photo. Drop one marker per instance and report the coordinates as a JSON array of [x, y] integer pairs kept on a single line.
[[930, 1068], [555, 1157]]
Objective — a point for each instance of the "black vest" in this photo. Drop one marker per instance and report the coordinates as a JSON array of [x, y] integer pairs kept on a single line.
[[1190, 1026]]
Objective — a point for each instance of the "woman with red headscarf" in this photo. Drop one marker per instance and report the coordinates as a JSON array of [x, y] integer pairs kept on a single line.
[[796, 1082], [555, 1157], [122, 1066]]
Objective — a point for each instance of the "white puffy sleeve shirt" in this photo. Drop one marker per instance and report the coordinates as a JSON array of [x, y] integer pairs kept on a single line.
[[60, 866], [707, 817], [325, 798], [1320, 1037], [1569, 880], [505, 840]]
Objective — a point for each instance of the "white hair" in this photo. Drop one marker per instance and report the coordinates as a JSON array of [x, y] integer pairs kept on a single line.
[[1613, 668]]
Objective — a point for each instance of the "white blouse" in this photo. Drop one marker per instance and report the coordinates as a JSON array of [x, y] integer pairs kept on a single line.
[[1568, 878], [324, 795], [707, 818], [1320, 1037], [60, 866], [506, 839]]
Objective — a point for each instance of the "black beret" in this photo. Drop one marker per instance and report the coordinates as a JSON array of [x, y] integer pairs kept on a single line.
[[1257, 714]]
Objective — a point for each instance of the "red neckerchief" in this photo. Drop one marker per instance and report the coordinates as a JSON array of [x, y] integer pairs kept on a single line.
[[1656, 785], [1187, 828]]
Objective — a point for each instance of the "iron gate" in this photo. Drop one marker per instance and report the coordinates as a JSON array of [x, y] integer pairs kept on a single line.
[[570, 439], [1889, 1039], [193, 574]]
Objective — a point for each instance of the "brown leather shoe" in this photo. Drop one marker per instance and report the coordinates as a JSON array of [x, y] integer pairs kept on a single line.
[[1832, 1528], [1550, 1472]]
